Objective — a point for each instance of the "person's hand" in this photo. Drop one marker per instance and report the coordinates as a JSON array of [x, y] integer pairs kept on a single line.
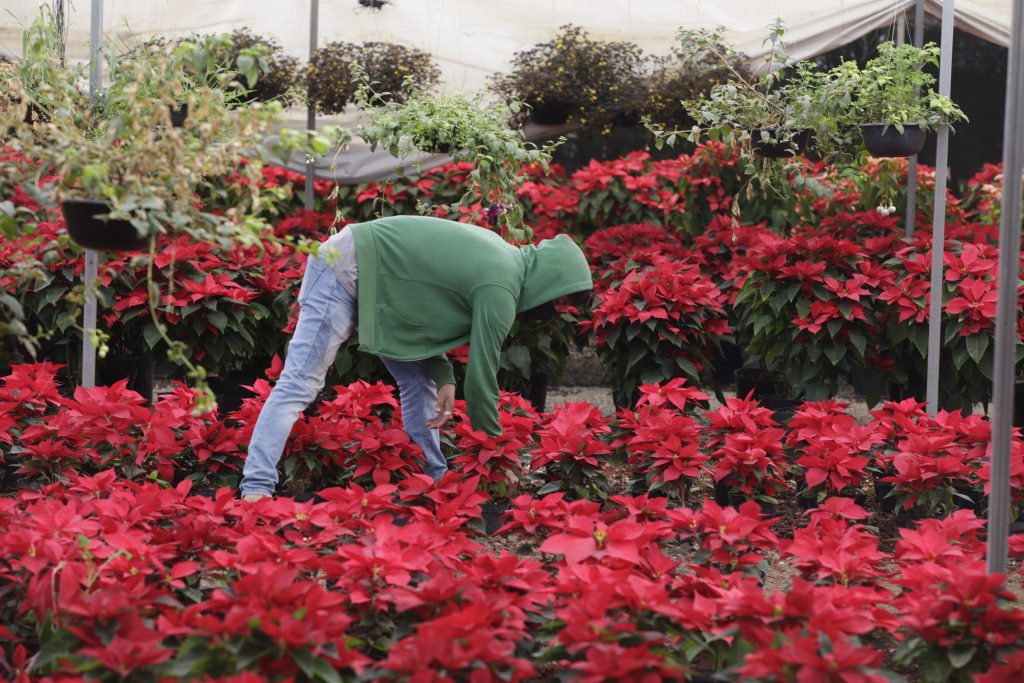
[[445, 403]]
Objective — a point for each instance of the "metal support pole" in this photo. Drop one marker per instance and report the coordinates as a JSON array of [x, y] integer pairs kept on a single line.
[[939, 216], [1006, 307], [912, 164], [314, 16], [92, 258]]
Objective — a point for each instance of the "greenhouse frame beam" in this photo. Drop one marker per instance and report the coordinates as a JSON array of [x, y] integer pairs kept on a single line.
[[911, 219], [314, 20], [92, 257], [1006, 306], [939, 214]]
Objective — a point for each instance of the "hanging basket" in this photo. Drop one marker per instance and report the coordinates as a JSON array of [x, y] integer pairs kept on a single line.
[[88, 230], [550, 113], [774, 148], [887, 141]]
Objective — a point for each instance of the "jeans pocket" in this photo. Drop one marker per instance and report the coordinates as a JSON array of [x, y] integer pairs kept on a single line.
[[315, 269]]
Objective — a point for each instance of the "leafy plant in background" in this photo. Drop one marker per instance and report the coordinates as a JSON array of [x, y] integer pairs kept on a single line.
[[466, 128], [278, 75], [895, 88], [774, 113], [673, 78], [393, 71], [577, 79], [124, 152]]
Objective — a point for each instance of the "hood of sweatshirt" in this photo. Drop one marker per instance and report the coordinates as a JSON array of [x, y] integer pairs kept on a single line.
[[554, 268]]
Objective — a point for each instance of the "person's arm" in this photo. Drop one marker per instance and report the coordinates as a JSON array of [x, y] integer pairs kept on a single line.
[[439, 369], [494, 311]]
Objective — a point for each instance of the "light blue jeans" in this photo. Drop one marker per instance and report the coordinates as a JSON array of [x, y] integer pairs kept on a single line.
[[327, 318]]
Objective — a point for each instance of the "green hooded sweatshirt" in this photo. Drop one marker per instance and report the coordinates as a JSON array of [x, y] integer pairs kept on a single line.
[[428, 285]]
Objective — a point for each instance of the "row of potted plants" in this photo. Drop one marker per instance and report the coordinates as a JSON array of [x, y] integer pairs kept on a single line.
[[766, 283], [669, 444], [117, 568]]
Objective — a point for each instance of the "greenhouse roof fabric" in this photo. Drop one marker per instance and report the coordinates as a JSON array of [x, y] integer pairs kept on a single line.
[[472, 39]]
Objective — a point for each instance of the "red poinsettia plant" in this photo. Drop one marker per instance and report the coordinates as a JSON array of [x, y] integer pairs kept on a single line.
[[656, 323]]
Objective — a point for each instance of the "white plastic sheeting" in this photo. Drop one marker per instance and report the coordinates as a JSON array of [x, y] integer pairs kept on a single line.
[[472, 39]]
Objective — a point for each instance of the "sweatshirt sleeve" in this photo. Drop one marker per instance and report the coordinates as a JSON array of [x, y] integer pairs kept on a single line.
[[494, 311], [439, 368]]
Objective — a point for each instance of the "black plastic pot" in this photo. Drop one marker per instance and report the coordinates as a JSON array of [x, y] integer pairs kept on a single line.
[[762, 382], [179, 114], [1018, 404], [725, 361], [493, 514], [808, 503], [537, 391], [782, 408], [882, 489], [229, 389], [887, 141], [726, 498], [92, 232], [775, 149], [137, 370]]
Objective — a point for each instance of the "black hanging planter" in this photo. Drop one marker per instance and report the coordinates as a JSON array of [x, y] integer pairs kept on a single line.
[[887, 141], [550, 113], [179, 114], [88, 230], [774, 148]]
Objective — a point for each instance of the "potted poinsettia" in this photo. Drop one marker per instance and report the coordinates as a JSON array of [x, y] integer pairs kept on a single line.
[[894, 102], [500, 460]]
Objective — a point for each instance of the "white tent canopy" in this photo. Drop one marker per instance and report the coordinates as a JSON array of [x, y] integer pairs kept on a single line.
[[472, 39]]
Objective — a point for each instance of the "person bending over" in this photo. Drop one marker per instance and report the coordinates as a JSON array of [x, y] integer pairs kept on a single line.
[[418, 286]]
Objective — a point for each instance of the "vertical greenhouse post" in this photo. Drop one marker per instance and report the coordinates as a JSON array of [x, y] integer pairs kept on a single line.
[[1006, 307], [92, 257], [912, 163], [314, 15], [939, 214]]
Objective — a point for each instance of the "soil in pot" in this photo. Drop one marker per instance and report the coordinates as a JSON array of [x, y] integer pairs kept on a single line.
[[92, 232], [775, 149], [887, 141]]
